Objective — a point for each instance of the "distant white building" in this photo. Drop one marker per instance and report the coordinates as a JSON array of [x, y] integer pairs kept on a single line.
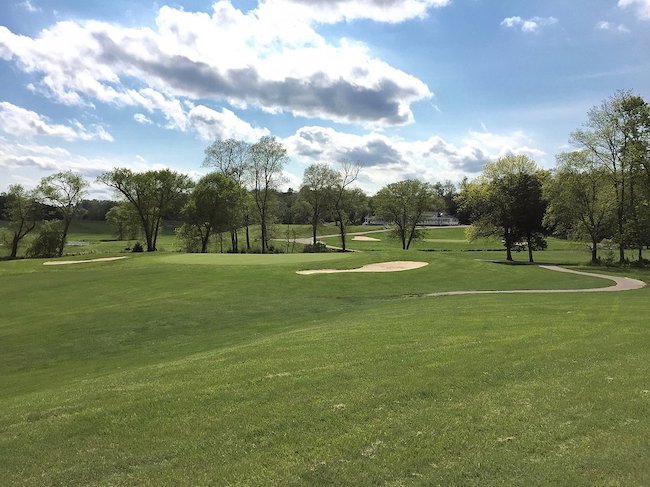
[[429, 219], [437, 219]]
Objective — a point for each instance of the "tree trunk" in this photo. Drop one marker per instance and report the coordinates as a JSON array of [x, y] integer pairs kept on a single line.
[[342, 230], [248, 239], [314, 229], [66, 225], [530, 248], [508, 244], [640, 253], [233, 241], [594, 251], [14, 246], [221, 242], [204, 241]]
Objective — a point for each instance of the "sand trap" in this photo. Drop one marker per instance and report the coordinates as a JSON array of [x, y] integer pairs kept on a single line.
[[363, 238], [395, 266], [65, 262]]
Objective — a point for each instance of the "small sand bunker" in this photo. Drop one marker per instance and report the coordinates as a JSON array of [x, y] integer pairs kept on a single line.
[[395, 266], [363, 238], [65, 262]]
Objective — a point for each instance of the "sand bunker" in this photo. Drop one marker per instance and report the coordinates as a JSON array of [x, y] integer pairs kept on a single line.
[[395, 266], [65, 262], [363, 238]]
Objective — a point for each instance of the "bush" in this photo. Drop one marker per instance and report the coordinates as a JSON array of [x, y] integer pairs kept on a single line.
[[137, 247], [315, 248], [47, 240]]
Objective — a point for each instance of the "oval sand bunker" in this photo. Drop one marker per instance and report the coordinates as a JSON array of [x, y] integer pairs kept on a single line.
[[395, 266], [363, 238]]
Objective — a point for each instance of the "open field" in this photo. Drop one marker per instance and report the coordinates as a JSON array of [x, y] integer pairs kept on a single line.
[[175, 369]]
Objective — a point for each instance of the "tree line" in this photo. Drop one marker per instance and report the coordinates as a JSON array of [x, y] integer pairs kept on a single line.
[[600, 190]]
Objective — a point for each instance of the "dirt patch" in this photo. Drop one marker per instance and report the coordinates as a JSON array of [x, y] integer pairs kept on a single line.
[[65, 262], [363, 238], [395, 266]]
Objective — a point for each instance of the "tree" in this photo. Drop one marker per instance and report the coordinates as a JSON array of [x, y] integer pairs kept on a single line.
[[403, 203], [232, 158], [124, 219], [614, 136], [152, 194], [268, 158], [348, 173], [318, 188], [214, 206], [22, 211], [495, 201], [65, 191], [581, 199], [529, 210]]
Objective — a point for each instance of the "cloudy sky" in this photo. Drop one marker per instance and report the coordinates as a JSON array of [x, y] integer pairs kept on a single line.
[[431, 89]]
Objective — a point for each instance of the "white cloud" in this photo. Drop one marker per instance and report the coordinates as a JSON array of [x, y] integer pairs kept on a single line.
[[275, 60], [641, 7], [142, 118], [385, 160], [609, 26], [528, 25], [211, 124], [333, 11], [19, 122], [30, 6]]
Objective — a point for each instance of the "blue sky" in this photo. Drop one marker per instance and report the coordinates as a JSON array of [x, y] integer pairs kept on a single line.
[[431, 89]]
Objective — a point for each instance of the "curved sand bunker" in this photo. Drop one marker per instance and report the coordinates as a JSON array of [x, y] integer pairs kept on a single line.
[[395, 266], [363, 238], [65, 262], [621, 284]]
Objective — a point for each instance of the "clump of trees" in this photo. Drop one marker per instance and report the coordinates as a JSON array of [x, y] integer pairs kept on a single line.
[[506, 201]]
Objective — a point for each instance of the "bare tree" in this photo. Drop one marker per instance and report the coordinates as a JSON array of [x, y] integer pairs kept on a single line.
[[348, 173]]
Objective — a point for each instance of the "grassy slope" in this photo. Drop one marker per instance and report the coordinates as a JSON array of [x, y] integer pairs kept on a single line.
[[175, 369]]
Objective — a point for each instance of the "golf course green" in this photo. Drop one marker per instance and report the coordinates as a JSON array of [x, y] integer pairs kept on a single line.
[[218, 369]]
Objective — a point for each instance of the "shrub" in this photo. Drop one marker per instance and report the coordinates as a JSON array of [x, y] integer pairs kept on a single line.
[[47, 240], [137, 247], [315, 248]]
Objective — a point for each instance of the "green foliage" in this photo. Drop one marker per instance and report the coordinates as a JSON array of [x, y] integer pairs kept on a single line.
[[23, 212], [188, 238], [124, 219], [64, 190], [403, 204], [137, 247], [314, 248], [153, 194], [47, 240], [506, 200]]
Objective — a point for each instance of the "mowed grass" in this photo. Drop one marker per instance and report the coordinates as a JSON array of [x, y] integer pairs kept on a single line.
[[173, 369]]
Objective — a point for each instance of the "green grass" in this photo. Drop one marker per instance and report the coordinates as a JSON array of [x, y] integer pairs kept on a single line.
[[174, 369]]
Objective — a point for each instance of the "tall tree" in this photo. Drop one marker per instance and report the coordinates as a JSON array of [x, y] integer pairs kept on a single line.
[[611, 137], [23, 212], [268, 158], [348, 173], [492, 200], [581, 199], [403, 203], [318, 190], [65, 191], [529, 210], [232, 158], [152, 194], [213, 206]]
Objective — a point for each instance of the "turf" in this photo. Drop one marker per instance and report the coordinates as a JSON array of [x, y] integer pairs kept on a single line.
[[173, 369]]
